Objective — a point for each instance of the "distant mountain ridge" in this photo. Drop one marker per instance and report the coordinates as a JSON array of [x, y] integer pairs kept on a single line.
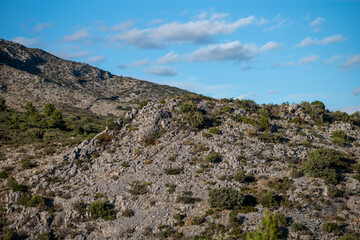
[[33, 75]]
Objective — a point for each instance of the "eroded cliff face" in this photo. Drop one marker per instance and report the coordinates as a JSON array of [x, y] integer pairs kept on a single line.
[[33, 75], [151, 176]]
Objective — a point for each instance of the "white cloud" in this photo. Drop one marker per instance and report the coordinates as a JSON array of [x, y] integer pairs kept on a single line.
[[96, 59], [352, 62], [350, 109], [270, 46], [333, 59], [77, 36], [226, 51], [198, 31], [356, 91], [302, 61], [245, 95], [155, 21], [74, 54], [272, 92], [327, 40], [140, 63], [28, 42], [168, 58], [317, 21], [40, 26], [278, 22], [161, 71], [118, 27], [309, 59]]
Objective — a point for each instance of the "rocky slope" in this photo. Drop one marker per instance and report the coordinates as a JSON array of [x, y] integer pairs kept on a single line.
[[33, 75], [151, 176]]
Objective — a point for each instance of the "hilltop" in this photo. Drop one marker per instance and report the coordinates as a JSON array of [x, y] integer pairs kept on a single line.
[[33, 75], [193, 167]]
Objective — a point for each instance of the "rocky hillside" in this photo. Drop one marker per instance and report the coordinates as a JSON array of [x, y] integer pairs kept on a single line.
[[33, 75], [194, 168]]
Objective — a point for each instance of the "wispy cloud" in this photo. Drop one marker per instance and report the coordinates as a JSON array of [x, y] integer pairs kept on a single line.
[[350, 109], [161, 71], [198, 31], [168, 58], [351, 63], [317, 21], [278, 22], [270, 46], [245, 95], [73, 55], [302, 61], [333, 58], [41, 26], [273, 92], [356, 91], [96, 59], [327, 40], [77, 36], [28, 42], [309, 59], [118, 27]]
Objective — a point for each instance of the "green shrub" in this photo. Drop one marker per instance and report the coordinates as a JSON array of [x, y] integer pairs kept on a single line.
[[316, 110], [248, 105], [226, 198], [280, 185], [142, 104], [348, 236], [127, 213], [101, 209], [206, 135], [268, 229], [3, 174], [186, 198], [269, 199], [188, 108], [11, 235], [80, 207], [173, 171], [323, 163], [214, 130], [339, 137], [213, 157], [297, 227], [2, 105], [227, 109], [240, 176], [179, 218], [138, 188], [45, 236], [171, 187], [198, 220], [196, 119], [330, 227], [13, 184]]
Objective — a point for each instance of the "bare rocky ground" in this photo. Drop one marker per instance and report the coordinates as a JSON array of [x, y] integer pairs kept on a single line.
[[156, 168], [33, 75]]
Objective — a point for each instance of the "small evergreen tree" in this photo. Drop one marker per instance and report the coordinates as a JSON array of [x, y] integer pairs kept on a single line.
[[268, 229]]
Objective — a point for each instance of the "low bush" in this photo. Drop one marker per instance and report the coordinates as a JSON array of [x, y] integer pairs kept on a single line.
[[213, 157], [173, 171], [101, 209], [138, 188], [269, 228], [13, 184], [226, 198], [214, 130], [339, 137], [324, 163], [239, 176], [330, 227], [186, 198], [269, 199]]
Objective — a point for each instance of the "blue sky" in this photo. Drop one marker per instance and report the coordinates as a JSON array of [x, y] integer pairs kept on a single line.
[[267, 51]]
